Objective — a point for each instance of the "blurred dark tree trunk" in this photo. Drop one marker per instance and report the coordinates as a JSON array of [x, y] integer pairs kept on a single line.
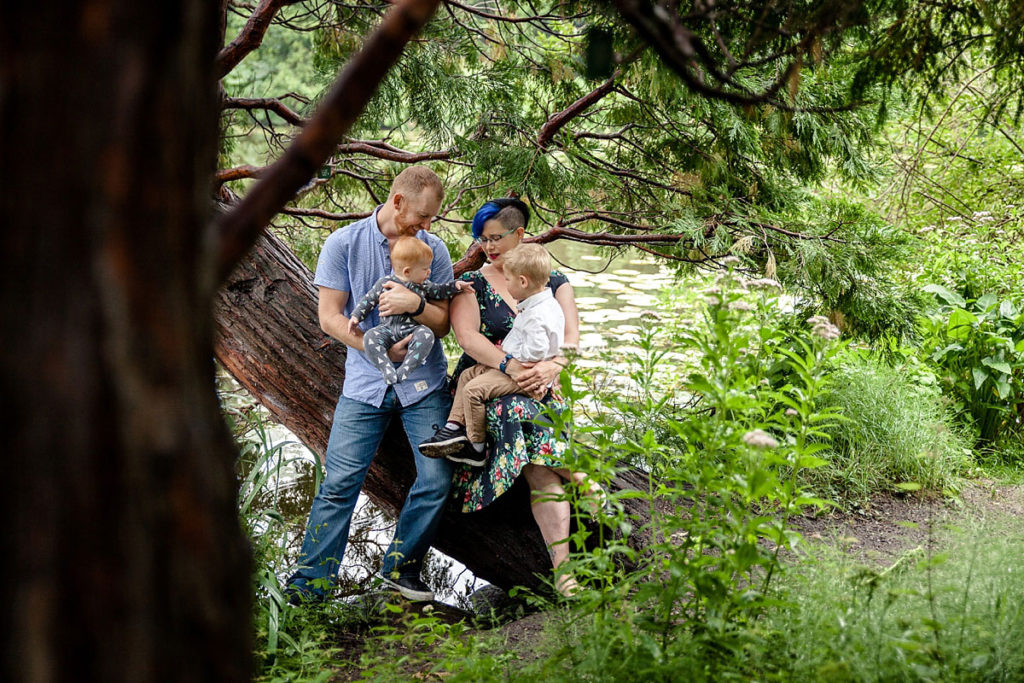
[[269, 339], [122, 555]]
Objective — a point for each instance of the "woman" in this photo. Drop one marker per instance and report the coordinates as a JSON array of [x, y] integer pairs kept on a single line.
[[480, 320]]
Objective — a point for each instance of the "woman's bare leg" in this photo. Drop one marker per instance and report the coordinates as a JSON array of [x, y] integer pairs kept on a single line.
[[552, 516], [588, 488]]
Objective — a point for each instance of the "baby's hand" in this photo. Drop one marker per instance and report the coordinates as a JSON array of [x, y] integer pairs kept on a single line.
[[353, 325], [463, 286]]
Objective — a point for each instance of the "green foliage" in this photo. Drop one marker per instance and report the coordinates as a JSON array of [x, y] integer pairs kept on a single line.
[[979, 347], [722, 489], [954, 616], [896, 429]]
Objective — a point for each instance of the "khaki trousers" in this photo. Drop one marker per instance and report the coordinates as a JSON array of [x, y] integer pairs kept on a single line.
[[478, 385]]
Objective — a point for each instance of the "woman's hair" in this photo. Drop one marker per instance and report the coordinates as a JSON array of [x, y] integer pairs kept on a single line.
[[408, 251], [531, 260], [509, 211]]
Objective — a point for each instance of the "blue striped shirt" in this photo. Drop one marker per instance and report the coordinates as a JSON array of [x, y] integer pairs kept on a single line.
[[352, 259]]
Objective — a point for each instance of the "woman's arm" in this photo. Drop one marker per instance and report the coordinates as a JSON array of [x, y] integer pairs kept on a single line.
[[537, 376], [465, 312]]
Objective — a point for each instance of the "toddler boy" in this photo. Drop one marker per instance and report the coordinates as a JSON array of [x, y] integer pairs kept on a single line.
[[537, 334]]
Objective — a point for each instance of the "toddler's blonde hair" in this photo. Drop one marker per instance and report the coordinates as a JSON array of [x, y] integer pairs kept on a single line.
[[409, 251], [531, 260]]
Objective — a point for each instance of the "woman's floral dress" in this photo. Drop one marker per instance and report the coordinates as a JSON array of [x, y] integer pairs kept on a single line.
[[513, 440]]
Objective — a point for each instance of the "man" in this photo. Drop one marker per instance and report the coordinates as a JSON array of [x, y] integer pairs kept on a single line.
[[352, 260]]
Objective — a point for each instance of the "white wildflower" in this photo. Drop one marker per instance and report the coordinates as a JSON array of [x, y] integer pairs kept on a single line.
[[765, 283], [818, 320], [740, 306], [729, 261], [826, 331], [791, 413], [760, 439], [712, 300]]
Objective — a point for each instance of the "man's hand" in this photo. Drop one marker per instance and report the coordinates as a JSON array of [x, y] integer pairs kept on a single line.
[[397, 299], [399, 350]]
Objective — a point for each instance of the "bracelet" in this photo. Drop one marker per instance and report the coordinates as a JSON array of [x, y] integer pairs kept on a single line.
[[423, 304], [504, 362]]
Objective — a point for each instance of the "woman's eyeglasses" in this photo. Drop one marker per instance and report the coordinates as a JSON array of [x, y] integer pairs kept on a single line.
[[484, 241]]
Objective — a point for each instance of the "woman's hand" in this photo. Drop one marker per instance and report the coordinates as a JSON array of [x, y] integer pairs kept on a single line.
[[535, 378]]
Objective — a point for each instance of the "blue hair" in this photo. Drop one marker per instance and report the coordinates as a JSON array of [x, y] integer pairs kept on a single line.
[[484, 214], [492, 208]]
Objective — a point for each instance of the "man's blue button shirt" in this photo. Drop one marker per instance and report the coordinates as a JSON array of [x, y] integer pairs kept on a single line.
[[352, 260]]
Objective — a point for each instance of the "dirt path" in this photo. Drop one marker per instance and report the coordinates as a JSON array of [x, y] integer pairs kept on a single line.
[[890, 524]]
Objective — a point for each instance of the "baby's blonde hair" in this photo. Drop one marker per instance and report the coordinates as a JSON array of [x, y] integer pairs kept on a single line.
[[408, 251], [531, 260]]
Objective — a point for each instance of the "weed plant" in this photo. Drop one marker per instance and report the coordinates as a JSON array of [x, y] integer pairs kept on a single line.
[[722, 491], [896, 431]]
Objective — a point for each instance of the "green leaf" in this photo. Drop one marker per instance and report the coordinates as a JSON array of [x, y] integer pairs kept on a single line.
[[995, 364], [908, 486], [960, 323], [985, 302], [1002, 389], [1008, 310], [951, 298], [979, 377]]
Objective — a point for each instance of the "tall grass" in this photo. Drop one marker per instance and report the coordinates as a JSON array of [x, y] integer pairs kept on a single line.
[[950, 616], [896, 431]]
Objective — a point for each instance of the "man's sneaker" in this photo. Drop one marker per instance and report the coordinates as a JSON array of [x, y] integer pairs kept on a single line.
[[410, 587], [445, 441], [467, 455]]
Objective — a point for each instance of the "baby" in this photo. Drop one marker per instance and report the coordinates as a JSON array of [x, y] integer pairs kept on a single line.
[[410, 266], [536, 335]]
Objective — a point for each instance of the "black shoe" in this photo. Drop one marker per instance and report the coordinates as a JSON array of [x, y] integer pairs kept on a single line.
[[410, 587], [467, 455], [445, 441], [300, 597]]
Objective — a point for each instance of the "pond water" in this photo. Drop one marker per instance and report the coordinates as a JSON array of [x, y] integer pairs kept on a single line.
[[612, 292]]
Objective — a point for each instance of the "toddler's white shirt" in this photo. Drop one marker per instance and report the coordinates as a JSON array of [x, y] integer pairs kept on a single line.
[[538, 330]]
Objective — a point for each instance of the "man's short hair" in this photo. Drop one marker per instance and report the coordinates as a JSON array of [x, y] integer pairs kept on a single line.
[[414, 180], [531, 260], [408, 251]]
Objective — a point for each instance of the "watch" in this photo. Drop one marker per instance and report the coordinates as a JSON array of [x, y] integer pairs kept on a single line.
[[423, 304], [504, 362]]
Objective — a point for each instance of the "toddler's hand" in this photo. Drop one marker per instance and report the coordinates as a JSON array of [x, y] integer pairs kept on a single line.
[[463, 286], [353, 325]]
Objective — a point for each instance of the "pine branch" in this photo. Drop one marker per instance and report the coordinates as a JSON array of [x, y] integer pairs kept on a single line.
[[349, 95]]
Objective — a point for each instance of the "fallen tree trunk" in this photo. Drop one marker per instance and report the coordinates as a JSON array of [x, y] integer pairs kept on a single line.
[[269, 339]]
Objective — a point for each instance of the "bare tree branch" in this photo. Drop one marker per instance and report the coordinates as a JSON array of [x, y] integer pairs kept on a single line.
[[250, 37], [558, 121], [268, 103], [240, 228]]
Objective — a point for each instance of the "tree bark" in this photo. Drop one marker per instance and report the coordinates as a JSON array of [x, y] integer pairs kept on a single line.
[[269, 339], [123, 557]]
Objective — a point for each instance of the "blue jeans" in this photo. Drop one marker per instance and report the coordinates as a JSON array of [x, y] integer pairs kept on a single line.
[[355, 436]]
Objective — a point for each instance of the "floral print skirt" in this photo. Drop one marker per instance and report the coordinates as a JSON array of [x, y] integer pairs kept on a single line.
[[514, 441]]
